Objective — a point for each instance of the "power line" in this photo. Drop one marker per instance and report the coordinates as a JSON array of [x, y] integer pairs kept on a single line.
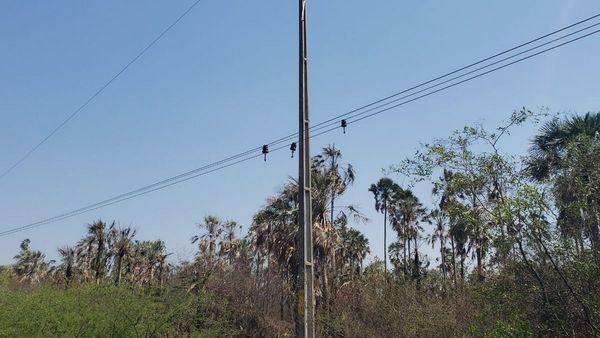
[[474, 77], [288, 137], [247, 155], [115, 200], [147, 189], [99, 91], [350, 116], [335, 119]]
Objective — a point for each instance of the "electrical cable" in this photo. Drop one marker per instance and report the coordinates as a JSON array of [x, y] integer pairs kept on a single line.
[[99, 91], [222, 164]]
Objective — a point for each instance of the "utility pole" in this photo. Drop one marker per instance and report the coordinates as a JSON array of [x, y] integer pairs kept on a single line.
[[305, 323]]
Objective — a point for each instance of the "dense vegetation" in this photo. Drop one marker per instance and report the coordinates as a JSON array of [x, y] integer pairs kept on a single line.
[[518, 242]]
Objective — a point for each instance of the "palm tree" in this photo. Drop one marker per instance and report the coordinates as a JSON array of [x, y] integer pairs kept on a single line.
[[30, 266], [411, 213], [94, 249], [207, 242], [338, 176], [397, 252], [68, 261], [440, 219], [148, 262], [230, 245], [448, 195], [122, 248], [548, 147], [384, 192], [356, 248], [550, 156]]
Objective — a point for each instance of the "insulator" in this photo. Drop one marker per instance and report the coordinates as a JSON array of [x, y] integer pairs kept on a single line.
[[265, 150], [293, 148], [344, 125]]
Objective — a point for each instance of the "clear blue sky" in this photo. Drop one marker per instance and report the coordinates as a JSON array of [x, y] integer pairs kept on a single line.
[[225, 79]]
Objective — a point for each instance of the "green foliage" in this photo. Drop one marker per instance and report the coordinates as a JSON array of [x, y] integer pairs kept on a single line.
[[105, 310], [519, 243]]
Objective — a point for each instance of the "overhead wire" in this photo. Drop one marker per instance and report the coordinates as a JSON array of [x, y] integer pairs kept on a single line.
[[247, 155], [99, 91], [285, 138]]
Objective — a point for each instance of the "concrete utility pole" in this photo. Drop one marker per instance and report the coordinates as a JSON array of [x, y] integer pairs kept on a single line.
[[305, 324]]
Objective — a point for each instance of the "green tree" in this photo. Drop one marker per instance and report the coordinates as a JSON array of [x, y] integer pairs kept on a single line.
[[549, 146], [384, 192], [68, 263], [30, 265], [207, 242], [94, 249], [440, 233], [356, 248], [122, 249]]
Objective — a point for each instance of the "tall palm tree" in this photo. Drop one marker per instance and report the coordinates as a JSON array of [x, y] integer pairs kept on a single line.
[[448, 195], [551, 154], [411, 212], [149, 262], [207, 241], [68, 261], [230, 245], [30, 265], [384, 192], [339, 176], [397, 252], [336, 178], [94, 249], [548, 147], [356, 248], [122, 249], [440, 219]]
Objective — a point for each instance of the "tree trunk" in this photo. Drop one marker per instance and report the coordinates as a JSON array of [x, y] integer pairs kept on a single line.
[[99, 259], [385, 238], [404, 262], [478, 254], [408, 266], [443, 260], [417, 272], [463, 257], [453, 260], [118, 267]]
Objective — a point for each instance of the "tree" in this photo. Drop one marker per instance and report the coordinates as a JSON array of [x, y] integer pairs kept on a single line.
[[30, 265], [576, 191], [408, 212], [122, 249], [339, 176], [356, 248], [207, 242], [230, 245], [384, 192], [440, 219], [68, 261], [561, 148], [548, 148], [94, 249]]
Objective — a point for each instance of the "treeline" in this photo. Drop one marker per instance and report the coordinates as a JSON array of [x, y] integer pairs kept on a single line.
[[518, 241]]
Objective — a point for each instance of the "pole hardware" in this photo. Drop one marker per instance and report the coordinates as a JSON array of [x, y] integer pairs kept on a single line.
[[344, 125], [265, 150]]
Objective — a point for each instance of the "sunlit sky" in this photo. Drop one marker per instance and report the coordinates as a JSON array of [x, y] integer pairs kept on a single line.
[[225, 80]]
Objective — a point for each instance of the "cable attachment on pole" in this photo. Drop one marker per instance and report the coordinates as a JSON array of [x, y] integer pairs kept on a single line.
[[265, 151], [293, 148], [344, 125]]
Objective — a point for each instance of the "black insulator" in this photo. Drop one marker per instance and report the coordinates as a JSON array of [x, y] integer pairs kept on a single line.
[[265, 150], [293, 148], [344, 125]]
